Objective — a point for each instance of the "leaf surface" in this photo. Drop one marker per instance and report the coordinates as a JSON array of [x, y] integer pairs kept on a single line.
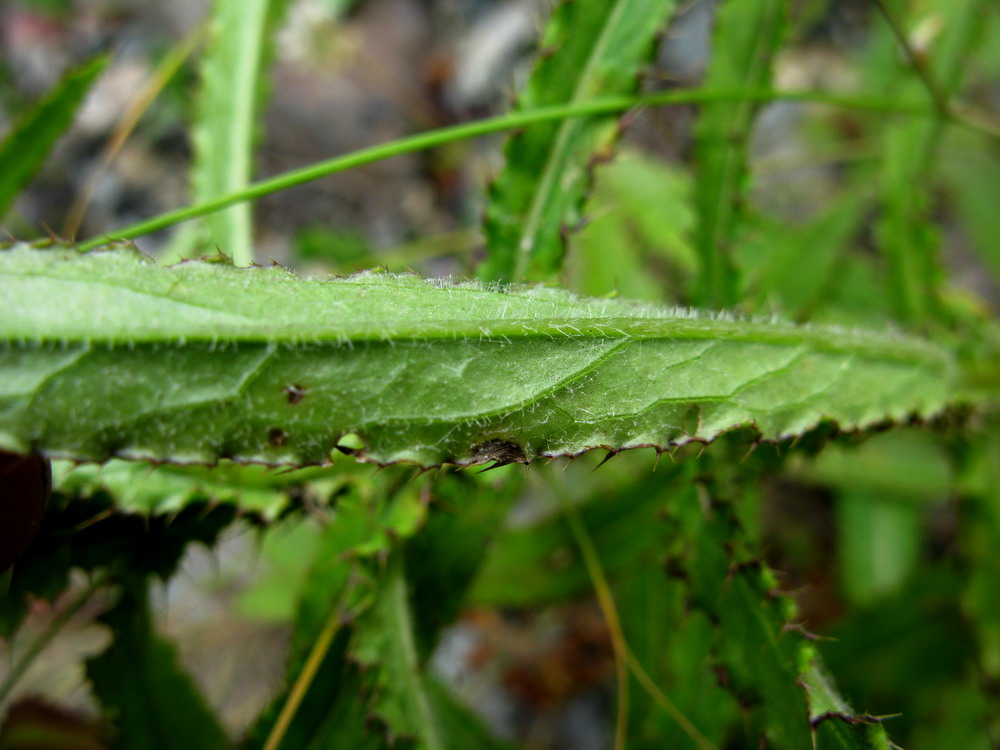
[[590, 48], [107, 354]]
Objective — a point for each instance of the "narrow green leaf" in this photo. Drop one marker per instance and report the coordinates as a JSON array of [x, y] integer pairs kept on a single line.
[[444, 558], [151, 701], [761, 661], [638, 217], [324, 704], [364, 611], [226, 129], [106, 354], [980, 540], [748, 34], [29, 143], [972, 174], [590, 48], [540, 564]]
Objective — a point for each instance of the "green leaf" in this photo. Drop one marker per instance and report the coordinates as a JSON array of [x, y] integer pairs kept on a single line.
[[357, 587], [234, 76], [30, 142], [761, 661], [837, 726], [541, 565], [106, 354], [883, 488], [906, 231], [980, 538], [87, 532], [972, 172], [140, 487], [748, 34], [639, 216], [151, 701], [590, 48], [445, 557], [801, 260], [765, 658], [386, 645], [331, 707]]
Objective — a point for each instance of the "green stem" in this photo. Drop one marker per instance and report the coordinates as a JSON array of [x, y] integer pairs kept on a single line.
[[463, 131], [624, 658], [318, 652], [958, 114]]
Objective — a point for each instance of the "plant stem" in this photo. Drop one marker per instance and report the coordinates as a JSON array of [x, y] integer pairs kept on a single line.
[[44, 638], [145, 97], [624, 658], [960, 115], [316, 655], [463, 131], [610, 611]]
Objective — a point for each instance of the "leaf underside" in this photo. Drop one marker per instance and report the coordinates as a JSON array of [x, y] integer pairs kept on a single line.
[[107, 355]]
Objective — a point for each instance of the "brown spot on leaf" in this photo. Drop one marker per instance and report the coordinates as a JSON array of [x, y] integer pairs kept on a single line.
[[276, 437], [502, 452], [295, 393]]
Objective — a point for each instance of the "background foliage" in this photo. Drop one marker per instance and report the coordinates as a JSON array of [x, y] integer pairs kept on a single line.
[[823, 163]]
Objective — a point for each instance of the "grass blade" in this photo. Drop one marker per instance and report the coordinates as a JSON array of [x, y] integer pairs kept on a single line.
[[106, 354], [590, 48], [29, 143], [748, 34]]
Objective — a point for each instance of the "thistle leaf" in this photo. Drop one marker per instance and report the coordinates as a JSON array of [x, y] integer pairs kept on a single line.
[[590, 48], [109, 355]]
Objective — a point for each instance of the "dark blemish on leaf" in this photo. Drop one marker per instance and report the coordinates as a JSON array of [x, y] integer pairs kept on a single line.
[[295, 393], [864, 719], [276, 437], [502, 452]]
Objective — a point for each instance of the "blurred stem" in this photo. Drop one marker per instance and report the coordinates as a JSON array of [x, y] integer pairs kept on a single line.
[[44, 638], [961, 115], [917, 61], [608, 608], [316, 655], [513, 120], [624, 658], [138, 107]]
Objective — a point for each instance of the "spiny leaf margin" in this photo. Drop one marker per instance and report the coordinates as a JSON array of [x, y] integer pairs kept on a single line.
[[106, 355]]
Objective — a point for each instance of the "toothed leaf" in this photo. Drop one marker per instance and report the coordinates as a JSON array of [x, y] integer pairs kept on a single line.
[[107, 354], [590, 48]]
